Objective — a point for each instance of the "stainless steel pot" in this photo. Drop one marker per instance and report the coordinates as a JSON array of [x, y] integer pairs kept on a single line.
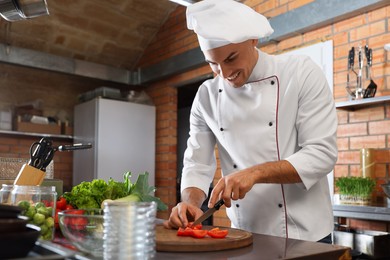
[[33, 8], [15, 10]]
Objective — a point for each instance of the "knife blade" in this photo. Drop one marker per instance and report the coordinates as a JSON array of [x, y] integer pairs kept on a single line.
[[208, 213]]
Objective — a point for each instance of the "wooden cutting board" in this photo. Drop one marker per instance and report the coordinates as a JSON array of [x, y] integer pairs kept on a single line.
[[167, 240]]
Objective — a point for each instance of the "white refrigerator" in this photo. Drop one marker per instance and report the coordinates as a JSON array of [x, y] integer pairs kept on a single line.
[[122, 135]]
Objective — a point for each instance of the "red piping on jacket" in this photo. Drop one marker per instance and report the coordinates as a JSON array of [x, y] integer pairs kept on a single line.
[[277, 146]]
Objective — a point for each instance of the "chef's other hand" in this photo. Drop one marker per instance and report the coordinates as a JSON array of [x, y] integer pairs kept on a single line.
[[181, 215], [232, 187]]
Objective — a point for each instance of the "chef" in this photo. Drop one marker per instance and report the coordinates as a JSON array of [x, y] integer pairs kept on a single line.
[[273, 121]]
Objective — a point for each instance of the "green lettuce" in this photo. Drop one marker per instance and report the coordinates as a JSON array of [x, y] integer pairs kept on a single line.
[[92, 194]]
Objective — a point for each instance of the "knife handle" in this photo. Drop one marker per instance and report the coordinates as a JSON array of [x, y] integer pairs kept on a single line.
[[219, 204]]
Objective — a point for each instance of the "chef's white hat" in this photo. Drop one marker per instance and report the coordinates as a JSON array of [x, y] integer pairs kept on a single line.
[[221, 22]]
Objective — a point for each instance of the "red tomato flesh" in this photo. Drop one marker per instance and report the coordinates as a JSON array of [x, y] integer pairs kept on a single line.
[[217, 233], [198, 233]]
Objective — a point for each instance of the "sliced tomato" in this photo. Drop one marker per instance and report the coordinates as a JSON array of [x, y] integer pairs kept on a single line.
[[197, 227], [180, 232], [198, 233], [188, 231], [185, 232], [217, 233]]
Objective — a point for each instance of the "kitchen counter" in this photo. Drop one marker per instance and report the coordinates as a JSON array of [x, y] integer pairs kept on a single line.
[[263, 247], [269, 247]]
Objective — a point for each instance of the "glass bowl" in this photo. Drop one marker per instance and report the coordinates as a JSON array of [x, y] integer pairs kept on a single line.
[[84, 229]]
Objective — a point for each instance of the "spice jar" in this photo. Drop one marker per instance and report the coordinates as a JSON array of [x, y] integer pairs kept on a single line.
[[38, 204]]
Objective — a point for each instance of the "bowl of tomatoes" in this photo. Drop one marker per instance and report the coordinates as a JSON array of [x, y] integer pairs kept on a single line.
[[84, 229]]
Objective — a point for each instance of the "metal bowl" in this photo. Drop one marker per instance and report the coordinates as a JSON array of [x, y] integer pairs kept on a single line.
[[15, 10], [386, 189], [33, 8]]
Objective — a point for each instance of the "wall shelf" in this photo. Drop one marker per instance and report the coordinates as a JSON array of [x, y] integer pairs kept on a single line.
[[39, 135], [361, 103], [362, 212]]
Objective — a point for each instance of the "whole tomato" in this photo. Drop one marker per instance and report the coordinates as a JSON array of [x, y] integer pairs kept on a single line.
[[61, 203], [68, 206]]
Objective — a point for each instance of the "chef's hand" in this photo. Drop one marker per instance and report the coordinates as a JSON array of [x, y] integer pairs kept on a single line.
[[182, 214], [232, 187]]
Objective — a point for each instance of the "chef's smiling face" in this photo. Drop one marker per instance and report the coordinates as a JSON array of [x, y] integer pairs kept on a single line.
[[233, 62]]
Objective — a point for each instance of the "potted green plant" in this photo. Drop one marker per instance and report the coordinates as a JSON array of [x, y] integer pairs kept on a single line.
[[355, 190]]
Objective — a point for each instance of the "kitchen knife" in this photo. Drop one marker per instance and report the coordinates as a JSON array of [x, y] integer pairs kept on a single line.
[[79, 146], [208, 213]]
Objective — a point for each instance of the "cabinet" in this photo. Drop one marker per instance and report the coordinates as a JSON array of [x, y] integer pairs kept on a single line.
[[122, 135]]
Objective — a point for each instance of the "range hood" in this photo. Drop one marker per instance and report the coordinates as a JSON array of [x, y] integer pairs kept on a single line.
[[16, 10]]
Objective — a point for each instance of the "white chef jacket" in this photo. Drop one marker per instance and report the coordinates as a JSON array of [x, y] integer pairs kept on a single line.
[[286, 111]]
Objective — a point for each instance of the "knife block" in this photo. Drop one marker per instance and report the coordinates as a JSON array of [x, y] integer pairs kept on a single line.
[[29, 176]]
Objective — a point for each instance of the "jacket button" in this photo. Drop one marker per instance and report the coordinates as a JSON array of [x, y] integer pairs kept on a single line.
[[280, 205], [270, 123], [221, 129], [272, 82], [234, 166], [219, 90], [237, 206]]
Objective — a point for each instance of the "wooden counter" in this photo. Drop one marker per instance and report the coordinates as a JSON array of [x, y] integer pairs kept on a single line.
[[268, 248]]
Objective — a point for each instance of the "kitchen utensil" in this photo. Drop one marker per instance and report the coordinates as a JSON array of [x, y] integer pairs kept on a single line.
[[33, 173], [33, 8], [167, 240], [351, 63], [208, 212], [80, 146], [371, 88], [42, 154], [30, 176], [359, 85], [16, 10], [367, 54]]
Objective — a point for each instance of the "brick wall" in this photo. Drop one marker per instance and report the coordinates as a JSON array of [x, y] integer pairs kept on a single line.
[[368, 127], [58, 93]]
